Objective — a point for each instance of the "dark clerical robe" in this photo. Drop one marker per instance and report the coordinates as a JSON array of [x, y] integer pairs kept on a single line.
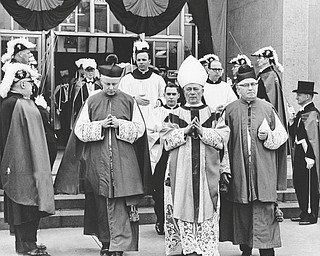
[[25, 165], [112, 175], [250, 219], [194, 167], [270, 89]]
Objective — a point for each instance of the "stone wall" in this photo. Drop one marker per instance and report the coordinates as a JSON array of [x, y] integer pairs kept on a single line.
[[289, 26]]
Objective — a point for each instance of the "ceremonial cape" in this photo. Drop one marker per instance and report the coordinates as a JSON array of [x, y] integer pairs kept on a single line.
[[25, 165]]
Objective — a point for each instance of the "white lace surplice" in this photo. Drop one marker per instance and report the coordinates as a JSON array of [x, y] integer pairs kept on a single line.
[[188, 237]]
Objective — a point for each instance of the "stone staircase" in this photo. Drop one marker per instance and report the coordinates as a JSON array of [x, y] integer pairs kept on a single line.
[[69, 208]]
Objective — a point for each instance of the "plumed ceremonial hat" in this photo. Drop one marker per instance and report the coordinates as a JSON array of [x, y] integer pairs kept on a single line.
[[89, 63], [271, 54], [14, 46], [140, 46], [113, 73], [240, 60], [15, 73], [79, 62], [191, 71], [246, 74], [209, 58], [306, 87]]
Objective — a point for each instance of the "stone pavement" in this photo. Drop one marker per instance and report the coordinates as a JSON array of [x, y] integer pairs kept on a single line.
[[297, 241]]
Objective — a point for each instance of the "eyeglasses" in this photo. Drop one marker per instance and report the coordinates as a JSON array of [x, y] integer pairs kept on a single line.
[[195, 89], [247, 85], [216, 69]]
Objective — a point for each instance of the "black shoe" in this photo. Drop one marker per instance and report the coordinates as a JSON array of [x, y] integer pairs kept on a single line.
[[296, 219], [159, 228], [307, 222], [115, 253], [104, 252], [38, 252], [246, 253]]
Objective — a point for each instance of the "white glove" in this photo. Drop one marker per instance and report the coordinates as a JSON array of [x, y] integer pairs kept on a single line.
[[40, 101], [291, 113], [310, 162]]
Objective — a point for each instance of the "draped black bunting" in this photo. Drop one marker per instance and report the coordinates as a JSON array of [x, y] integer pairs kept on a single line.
[[200, 14], [38, 16], [140, 20]]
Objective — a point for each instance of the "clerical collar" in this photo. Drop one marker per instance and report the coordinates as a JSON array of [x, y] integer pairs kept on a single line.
[[143, 71], [167, 107], [247, 102], [216, 82], [195, 105], [137, 74]]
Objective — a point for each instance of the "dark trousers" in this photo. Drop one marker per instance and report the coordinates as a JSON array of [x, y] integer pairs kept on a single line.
[[26, 236], [158, 185], [263, 252], [108, 219], [301, 186]]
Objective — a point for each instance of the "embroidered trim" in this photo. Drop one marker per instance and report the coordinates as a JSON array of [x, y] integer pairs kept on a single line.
[[211, 138], [127, 131], [275, 139], [91, 132], [225, 163], [175, 139]]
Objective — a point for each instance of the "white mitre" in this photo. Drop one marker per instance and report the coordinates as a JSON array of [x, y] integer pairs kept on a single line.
[[191, 71]]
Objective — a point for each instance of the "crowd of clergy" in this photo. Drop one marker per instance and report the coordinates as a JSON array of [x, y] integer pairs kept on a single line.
[[211, 153]]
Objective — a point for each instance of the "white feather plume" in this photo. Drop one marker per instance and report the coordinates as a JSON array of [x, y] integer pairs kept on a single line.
[[10, 48]]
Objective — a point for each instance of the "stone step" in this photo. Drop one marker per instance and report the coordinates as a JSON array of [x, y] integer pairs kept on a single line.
[[290, 209], [288, 195], [77, 202], [74, 218]]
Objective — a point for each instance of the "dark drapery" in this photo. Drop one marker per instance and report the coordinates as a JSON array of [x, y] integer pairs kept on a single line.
[[39, 20], [150, 25], [210, 17], [200, 14]]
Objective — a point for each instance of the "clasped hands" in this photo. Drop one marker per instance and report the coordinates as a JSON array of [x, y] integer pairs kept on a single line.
[[194, 126], [110, 122]]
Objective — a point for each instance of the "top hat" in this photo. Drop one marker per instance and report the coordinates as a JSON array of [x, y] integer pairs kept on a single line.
[[305, 87]]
